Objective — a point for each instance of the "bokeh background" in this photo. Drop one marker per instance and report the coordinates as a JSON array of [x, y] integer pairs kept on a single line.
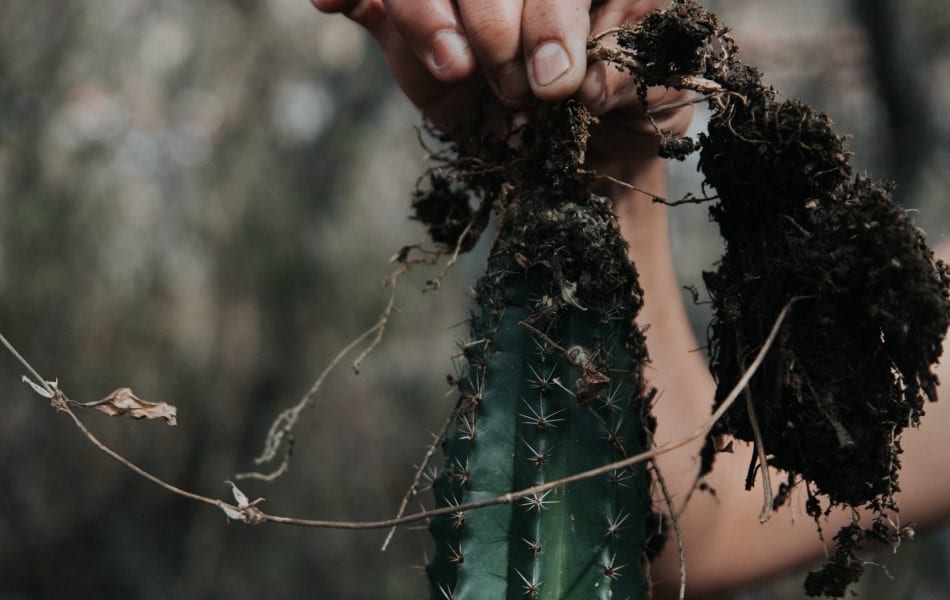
[[198, 200]]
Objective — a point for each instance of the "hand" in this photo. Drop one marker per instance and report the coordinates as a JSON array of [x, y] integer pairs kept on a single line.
[[442, 53]]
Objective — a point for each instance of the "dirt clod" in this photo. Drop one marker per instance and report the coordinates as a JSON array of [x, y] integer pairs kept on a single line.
[[853, 365]]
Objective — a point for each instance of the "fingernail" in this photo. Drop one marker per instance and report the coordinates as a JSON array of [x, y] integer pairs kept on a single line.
[[447, 49], [513, 81], [549, 63]]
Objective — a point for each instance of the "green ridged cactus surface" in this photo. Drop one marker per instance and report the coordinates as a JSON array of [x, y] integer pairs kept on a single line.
[[553, 386]]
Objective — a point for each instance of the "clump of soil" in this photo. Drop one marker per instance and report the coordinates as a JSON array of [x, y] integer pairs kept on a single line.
[[853, 363], [447, 211], [532, 176]]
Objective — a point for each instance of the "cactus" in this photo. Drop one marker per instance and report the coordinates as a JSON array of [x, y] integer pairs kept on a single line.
[[553, 387]]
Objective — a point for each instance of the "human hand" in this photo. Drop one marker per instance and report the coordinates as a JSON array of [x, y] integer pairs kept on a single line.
[[443, 54]]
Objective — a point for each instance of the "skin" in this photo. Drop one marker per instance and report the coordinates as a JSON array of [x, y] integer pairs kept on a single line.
[[442, 53]]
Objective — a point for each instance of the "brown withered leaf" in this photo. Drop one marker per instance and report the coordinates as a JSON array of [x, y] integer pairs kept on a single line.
[[123, 403], [247, 511]]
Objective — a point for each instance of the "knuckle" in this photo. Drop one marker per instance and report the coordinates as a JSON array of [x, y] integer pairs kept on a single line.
[[496, 36], [491, 29]]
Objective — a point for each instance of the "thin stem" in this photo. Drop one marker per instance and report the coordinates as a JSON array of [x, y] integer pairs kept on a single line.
[[767, 498], [39, 379], [674, 519], [285, 422], [674, 105], [64, 407], [379, 327], [508, 498], [436, 283], [414, 486], [248, 513]]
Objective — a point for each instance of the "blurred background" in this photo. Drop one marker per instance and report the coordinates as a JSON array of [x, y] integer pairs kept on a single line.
[[199, 199]]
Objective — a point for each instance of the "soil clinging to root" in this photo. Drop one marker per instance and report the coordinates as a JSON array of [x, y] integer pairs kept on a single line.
[[853, 365]]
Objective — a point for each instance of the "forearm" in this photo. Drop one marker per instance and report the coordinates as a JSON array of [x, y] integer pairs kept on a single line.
[[725, 545], [677, 370]]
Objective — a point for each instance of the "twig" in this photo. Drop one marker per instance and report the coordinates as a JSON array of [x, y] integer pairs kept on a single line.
[[546, 339], [414, 486], [380, 326], [247, 512], [510, 497], [767, 498], [607, 32], [39, 379], [276, 473], [283, 425], [61, 403], [434, 284], [674, 105], [285, 422], [622, 183], [674, 519], [63, 406], [704, 86], [687, 199]]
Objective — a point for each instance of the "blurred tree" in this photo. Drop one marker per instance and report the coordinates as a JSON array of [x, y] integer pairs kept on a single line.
[[900, 81], [166, 167]]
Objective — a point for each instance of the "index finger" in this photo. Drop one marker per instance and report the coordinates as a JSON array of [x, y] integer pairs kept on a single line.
[[433, 29], [555, 43]]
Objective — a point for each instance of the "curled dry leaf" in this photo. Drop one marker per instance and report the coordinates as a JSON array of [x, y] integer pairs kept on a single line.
[[246, 512], [123, 402], [239, 496], [231, 513], [39, 389]]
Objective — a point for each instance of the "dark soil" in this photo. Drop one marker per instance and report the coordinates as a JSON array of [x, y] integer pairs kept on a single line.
[[852, 366]]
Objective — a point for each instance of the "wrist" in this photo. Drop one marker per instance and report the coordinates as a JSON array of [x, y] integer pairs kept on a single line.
[[644, 223]]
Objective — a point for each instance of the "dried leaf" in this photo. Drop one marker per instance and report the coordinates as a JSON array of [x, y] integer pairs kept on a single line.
[[38, 388], [239, 496], [247, 512], [231, 513], [123, 402]]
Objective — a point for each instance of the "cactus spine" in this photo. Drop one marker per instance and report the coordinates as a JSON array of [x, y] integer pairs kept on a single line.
[[553, 387]]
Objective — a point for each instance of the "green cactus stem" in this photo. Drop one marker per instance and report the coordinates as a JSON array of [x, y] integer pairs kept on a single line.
[[553, 387]]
